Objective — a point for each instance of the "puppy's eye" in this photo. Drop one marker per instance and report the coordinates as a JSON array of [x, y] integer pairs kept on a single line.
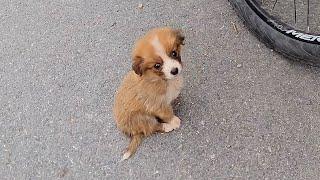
[[157, 66], [174, 54]]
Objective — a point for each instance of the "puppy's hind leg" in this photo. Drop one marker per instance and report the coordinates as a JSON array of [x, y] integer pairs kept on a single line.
[[141, 126]]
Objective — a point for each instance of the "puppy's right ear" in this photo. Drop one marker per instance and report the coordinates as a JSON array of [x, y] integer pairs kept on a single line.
[[137, 65], [179, 36]]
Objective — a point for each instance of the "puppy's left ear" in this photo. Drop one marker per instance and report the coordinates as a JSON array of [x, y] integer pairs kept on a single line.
[[179, 36], [137, 65]]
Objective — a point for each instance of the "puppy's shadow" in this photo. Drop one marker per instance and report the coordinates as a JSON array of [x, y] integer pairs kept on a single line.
[[179, 105]]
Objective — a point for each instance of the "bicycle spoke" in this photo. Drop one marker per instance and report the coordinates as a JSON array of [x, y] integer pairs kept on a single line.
[[295, 12], [308, 2], [298, 14]]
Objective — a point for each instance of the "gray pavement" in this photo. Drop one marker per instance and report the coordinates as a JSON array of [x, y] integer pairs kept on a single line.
[[247, 113]]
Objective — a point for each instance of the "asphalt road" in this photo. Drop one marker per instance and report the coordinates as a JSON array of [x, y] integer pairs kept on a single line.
[[247, 113]]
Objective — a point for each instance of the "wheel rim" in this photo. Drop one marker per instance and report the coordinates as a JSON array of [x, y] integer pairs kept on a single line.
[[300, 14], [284, 28]]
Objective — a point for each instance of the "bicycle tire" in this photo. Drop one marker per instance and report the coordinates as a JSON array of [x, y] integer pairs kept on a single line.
[[292, 43]]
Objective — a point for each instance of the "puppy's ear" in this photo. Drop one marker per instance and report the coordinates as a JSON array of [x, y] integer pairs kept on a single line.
[[179, 36], [137, 65]]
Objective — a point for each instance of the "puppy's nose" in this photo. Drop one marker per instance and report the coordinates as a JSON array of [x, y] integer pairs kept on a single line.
[[174, 71]]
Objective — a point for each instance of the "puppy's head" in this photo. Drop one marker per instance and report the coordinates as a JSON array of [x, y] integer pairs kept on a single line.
[[157, 54]]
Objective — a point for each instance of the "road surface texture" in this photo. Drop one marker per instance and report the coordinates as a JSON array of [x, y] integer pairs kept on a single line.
[[247, 112]]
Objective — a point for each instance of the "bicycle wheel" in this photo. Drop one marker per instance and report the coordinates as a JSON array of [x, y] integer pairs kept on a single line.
[[288, 40]]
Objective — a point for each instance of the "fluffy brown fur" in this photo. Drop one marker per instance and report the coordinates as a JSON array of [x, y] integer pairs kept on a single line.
[[143, 101]]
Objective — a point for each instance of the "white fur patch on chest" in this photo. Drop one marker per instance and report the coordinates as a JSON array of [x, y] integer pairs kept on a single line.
[[174, 88]]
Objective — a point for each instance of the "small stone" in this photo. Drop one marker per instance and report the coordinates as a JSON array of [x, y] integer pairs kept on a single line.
[[239, 65], [113, 24], [212, 156], [269, 148], [63, 172], [140, 6], [72, 120]]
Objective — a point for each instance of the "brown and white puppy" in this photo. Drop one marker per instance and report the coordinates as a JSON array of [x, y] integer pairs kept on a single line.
[[143, 101]]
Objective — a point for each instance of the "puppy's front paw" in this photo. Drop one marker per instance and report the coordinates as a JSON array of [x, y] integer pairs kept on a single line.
[[167, 127], [175, 122]]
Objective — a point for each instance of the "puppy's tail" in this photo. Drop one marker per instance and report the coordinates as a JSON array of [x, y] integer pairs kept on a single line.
[[132, 148]]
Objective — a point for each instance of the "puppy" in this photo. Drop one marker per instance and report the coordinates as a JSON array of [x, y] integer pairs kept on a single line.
[[143, 101]]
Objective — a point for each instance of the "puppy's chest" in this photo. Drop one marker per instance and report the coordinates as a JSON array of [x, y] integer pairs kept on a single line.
[[173, 89]]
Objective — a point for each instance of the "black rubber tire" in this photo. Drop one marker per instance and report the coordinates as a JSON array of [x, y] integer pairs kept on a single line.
[[274, 33]]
